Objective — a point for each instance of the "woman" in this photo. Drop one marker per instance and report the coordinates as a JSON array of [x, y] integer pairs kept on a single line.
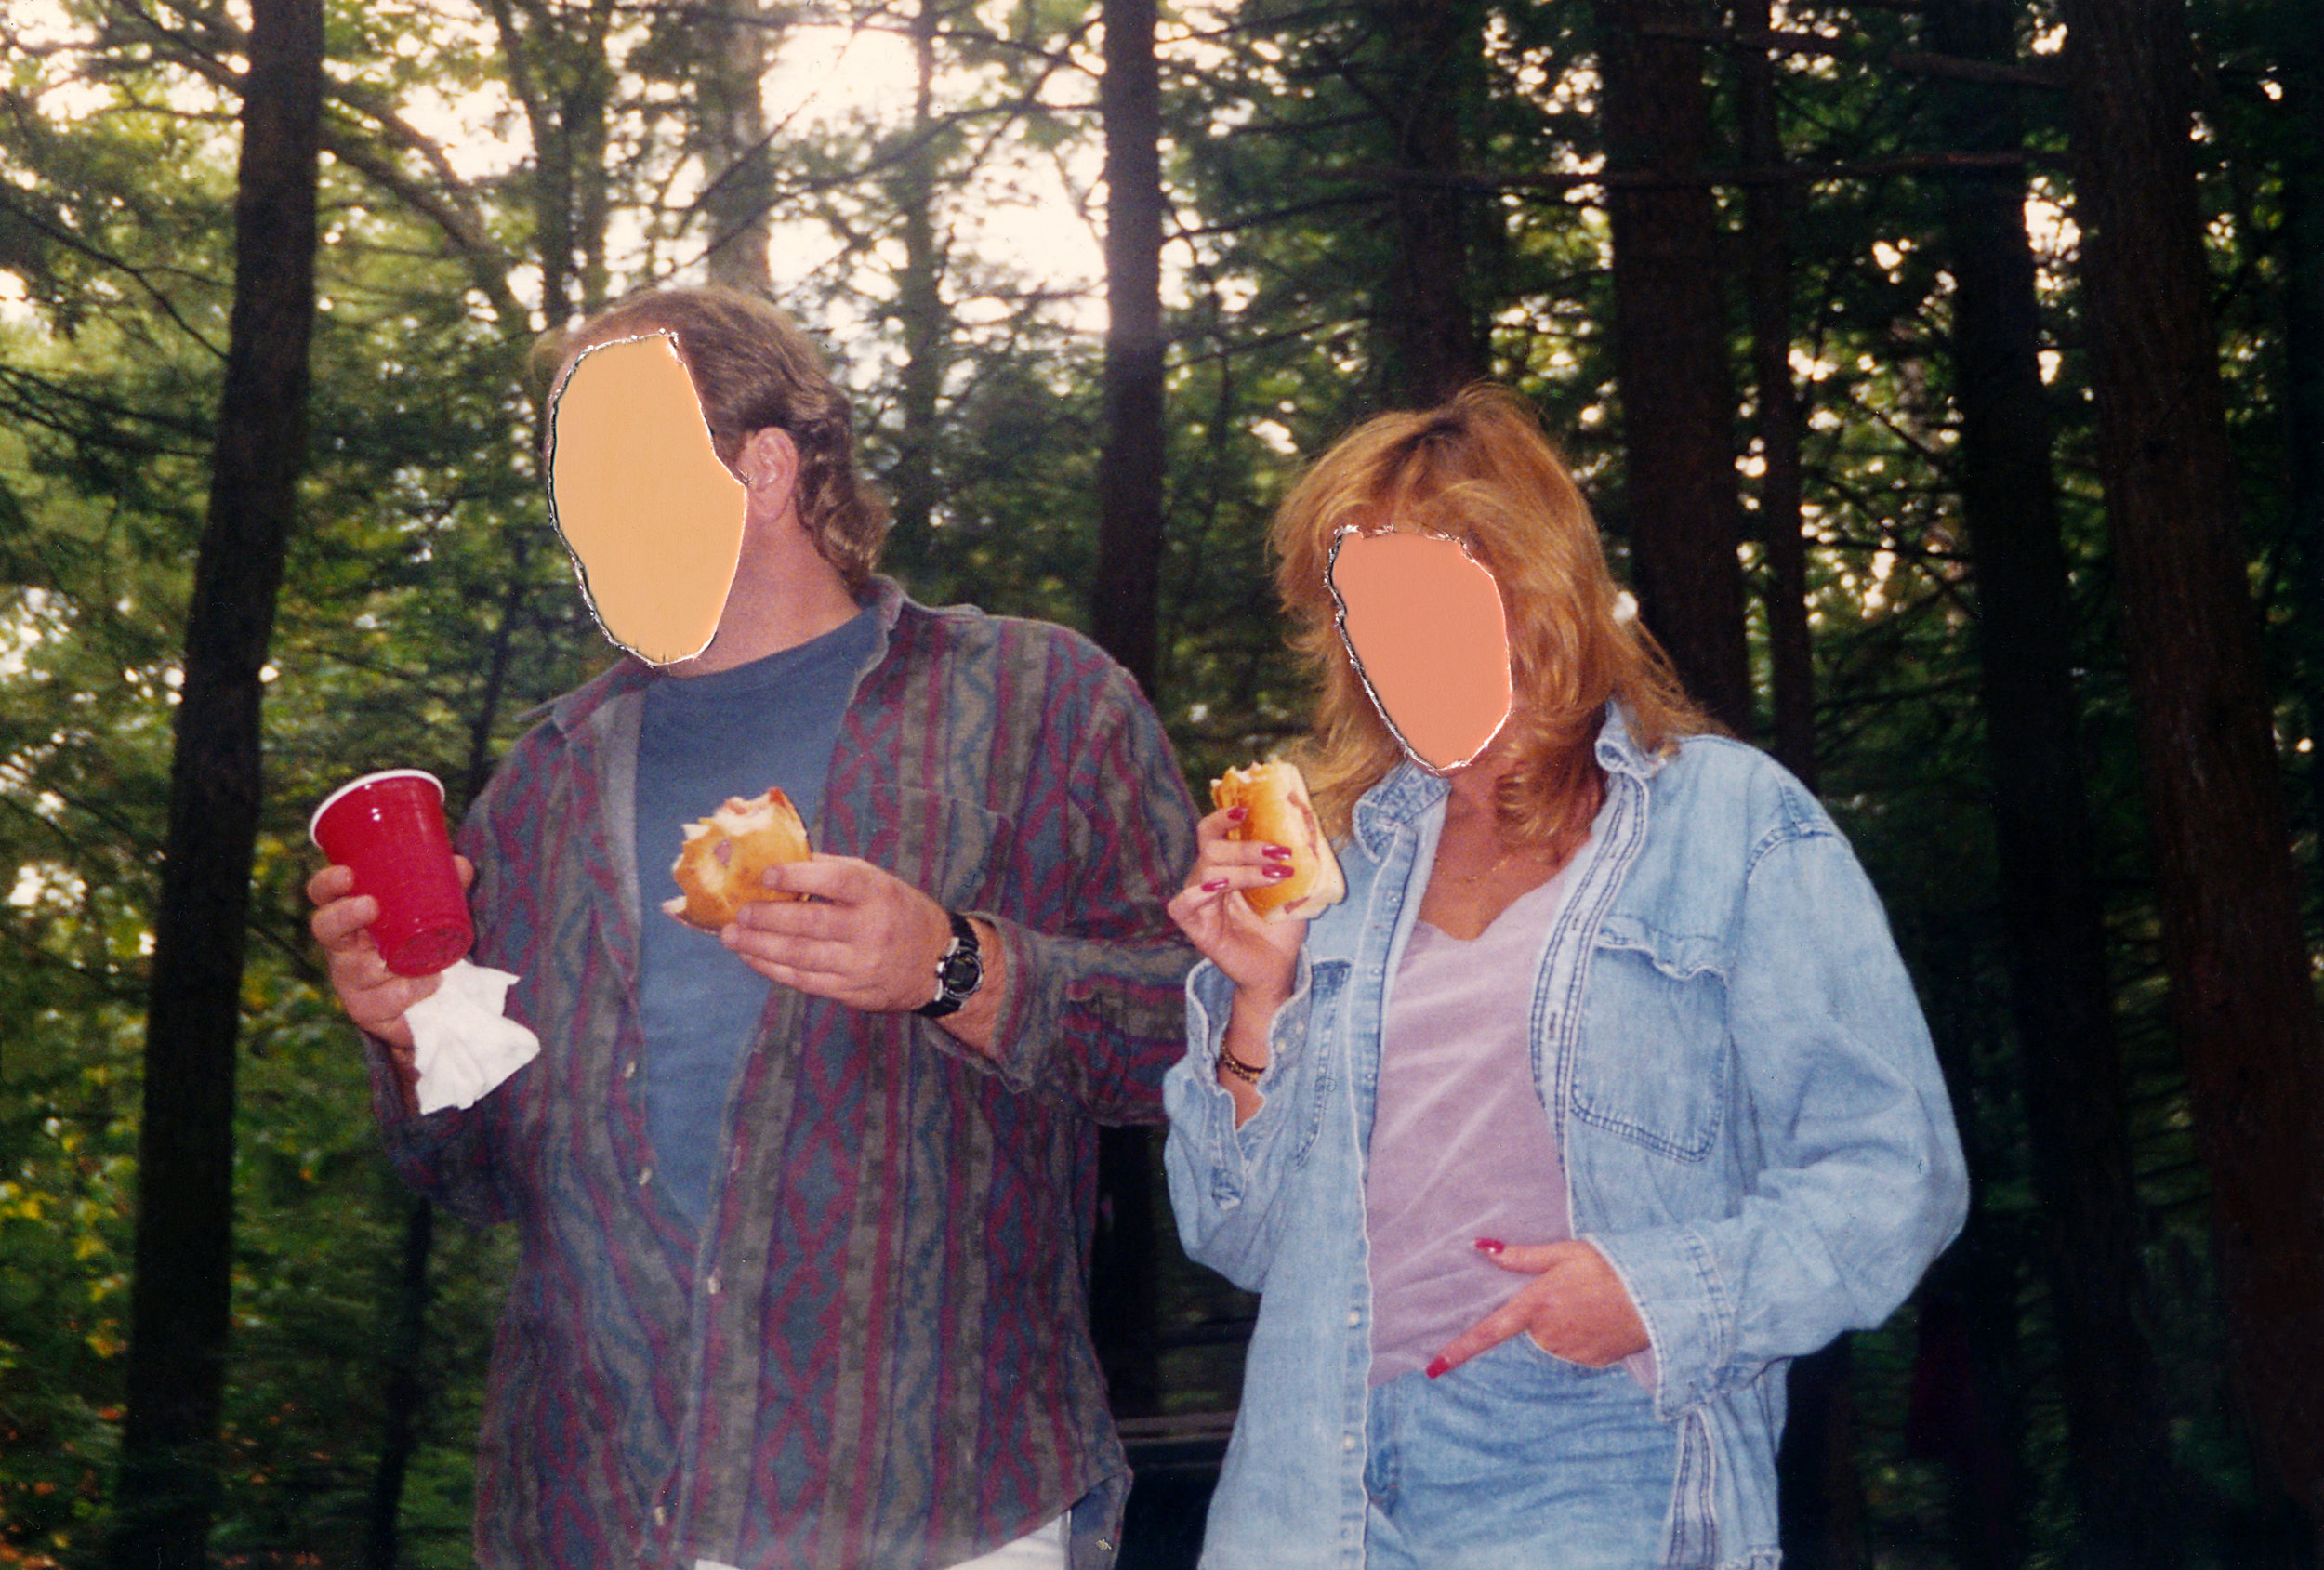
[[1487, 1335]]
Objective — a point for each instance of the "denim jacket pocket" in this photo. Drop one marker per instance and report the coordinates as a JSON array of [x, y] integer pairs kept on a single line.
[[1651, 1064]]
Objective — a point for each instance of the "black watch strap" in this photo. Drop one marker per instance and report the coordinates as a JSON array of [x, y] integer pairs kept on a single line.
[[958, 973]]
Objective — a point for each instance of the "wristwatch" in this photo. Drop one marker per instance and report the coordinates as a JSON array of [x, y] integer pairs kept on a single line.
[[959, 971]]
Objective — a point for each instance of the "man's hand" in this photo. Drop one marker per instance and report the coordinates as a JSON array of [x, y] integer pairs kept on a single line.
[[868, 939], [1575, 1307], [373, 997]]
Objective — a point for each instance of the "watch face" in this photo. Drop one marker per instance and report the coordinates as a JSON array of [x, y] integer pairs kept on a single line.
[[963, 970]]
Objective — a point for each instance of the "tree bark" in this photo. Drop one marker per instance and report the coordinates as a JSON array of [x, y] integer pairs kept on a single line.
[[732, 128], [2062, 999], [1435, 49], [1966, 1410], [181, 1286], [2242, 995], [1767, 243], [1125, 618], [2303, 353], [1670, 353]]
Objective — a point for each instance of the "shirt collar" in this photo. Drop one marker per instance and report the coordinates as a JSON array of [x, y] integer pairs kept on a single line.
[[1407, 790], [629, 674]]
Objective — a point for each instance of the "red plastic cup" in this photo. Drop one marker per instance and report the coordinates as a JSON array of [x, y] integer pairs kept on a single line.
[[389, 827]]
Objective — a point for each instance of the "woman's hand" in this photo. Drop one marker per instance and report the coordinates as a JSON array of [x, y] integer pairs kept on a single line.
[[1575, 1307], [1261, 957]]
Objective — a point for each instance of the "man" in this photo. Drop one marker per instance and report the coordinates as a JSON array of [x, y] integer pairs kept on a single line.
[[806, 1206]]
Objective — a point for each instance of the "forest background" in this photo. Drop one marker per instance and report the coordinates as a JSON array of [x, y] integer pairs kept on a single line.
[[1949, 377]]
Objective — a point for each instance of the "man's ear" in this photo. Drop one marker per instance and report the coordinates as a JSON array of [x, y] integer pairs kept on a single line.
[[768, 464]]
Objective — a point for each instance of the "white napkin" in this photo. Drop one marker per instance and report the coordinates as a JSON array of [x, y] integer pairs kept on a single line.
[[461, 1042]]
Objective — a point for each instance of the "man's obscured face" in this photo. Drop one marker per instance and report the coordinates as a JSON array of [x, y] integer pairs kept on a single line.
[[654, 520]]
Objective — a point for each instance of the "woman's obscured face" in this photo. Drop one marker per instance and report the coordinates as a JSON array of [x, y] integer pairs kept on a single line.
[[1423, 622]]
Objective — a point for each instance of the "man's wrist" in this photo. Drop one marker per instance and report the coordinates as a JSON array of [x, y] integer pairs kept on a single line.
[[958, 971]]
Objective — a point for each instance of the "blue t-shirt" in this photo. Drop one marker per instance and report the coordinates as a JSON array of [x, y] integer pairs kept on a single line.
[[701, 740]]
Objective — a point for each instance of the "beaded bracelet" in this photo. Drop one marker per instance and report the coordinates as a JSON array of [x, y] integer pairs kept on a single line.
[[1245, 1072]]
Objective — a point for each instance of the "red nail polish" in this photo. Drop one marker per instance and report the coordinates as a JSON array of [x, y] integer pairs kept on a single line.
[[1276, 854], [1436, 1367], [1274, 872], [1237, 814], [1490, 1245], [1214, 886]]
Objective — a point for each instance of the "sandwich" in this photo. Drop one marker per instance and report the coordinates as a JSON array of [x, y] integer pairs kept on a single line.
[[719, 865], [1277, 811]]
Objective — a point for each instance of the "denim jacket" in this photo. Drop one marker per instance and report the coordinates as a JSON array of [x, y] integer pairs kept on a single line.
[[1754, 1131]]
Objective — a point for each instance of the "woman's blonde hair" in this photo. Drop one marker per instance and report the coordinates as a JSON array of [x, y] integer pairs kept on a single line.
[[1478, 470]]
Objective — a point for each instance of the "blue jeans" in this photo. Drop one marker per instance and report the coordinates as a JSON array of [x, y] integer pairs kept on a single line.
[[1516, 1460]]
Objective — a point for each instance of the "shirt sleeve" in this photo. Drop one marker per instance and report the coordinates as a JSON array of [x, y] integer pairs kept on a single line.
[[1863, 1183], [452, 1158], [1224, 1180], [1091, 1006]]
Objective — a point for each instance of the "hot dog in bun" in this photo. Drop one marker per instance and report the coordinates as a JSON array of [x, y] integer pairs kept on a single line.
[[719, 865], [1277, 811]]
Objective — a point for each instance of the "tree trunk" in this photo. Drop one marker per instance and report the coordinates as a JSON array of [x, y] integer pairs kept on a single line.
[[1767, 243], [405, 1395], [2242, 995], [1819, 1496], [181, 1287], [2117, 1442], [1125, 615], [1435, 49], [1965, 1411], [732, 129], [1670, 353], [919, 306], [2303, 347]]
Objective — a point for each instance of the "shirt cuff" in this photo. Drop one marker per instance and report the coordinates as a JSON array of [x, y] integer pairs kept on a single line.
[[1674, 1283]]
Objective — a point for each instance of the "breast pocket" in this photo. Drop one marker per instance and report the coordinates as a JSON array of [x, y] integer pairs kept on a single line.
[[951, 850], [1651, 1061]]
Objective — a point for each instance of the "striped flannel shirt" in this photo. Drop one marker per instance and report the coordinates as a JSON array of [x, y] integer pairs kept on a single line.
[[876, 1353]]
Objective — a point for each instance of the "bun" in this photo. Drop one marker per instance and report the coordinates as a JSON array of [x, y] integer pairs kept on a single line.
[[724, 853], [1277, 813]]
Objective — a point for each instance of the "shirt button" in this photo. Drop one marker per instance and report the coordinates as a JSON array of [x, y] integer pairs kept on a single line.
[[1347, 1442], [645, 1177], [629, 1069], [737, 1164], [713, 1283], [661, 1516], [1355, 1317]]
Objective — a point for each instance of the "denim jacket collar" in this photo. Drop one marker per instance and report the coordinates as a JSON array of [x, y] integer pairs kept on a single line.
[[1407, 791]]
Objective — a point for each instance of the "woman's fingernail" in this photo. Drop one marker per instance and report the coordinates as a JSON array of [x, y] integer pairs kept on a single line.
[[1436, 1367], [1490, 1245], [1237, 814], [1214, 886], [1276, 854], [1274, 872]]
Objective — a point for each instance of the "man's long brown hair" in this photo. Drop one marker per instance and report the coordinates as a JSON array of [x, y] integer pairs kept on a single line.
[[1478, 470], [752, 367]]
